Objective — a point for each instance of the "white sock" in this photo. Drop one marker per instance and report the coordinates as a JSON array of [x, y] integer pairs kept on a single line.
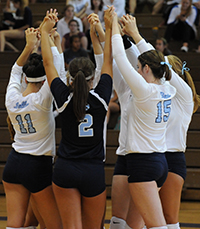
[[144, 227], [117, 223], [173, 226], [127, 227], [162, 227]]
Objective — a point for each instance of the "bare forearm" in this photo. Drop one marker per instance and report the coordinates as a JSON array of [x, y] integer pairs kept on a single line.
[[107, 65], [96, 45], [25, 55]]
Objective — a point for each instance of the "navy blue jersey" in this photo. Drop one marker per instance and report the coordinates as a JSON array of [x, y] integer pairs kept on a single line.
[[83, 139]]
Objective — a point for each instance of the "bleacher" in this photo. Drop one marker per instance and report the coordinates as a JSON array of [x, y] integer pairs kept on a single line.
[[145, 23]]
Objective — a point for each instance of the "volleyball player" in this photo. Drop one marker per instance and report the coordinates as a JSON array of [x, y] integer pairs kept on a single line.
[[145, 146], [185, 103], [120, 195], [29, 166], [79, 180]]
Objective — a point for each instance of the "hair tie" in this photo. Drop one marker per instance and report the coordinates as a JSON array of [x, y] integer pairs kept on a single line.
[[81, 70], [168, 64], [185, 68], [88, 77]]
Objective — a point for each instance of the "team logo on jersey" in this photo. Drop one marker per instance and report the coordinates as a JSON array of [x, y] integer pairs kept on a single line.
[[87, 107], [22, 105], [165, 96]]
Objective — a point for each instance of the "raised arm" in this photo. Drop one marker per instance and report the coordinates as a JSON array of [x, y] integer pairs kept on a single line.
[[107, 64], [94, 18], [56, 39], [31, 41], [16, 72], [136, 82], [47, 25]]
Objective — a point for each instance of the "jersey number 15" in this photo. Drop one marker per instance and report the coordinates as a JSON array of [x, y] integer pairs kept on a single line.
[[163, 111]]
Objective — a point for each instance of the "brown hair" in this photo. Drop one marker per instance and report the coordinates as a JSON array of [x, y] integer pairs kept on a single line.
[[177, 66], [154, 59], [80, 69]]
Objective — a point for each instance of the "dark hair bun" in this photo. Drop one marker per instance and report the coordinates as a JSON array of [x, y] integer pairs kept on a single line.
[[34, 67]]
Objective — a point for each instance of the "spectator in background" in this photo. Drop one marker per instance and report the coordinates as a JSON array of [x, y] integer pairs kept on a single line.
[[8, 15], [74, 51], [133, 4], [62, 25], [73, 26], [161, 45], [164, 6], [181, 23], [80, 6], [97, 8], [118, 4], [22, 21]]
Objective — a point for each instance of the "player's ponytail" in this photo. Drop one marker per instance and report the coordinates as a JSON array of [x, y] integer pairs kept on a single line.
[[80, 95], [81, 71]]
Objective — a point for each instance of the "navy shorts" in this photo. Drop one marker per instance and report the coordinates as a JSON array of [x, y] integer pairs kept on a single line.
[[176, 163], [86, 175], [145, 167], [120, 166], [33, 172]]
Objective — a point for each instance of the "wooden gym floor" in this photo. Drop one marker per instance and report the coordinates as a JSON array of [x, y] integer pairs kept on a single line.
[[189, 214]]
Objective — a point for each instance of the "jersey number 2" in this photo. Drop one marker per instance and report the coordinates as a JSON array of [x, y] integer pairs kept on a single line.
[[27, 117], [166, 108], [84, 129]]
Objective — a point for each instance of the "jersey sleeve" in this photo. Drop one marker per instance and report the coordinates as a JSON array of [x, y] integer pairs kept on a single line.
[[192, 17], [104, 87], [132, 54], [183, 90], [144, 46], [119, 83], [99, 64], [136, 82], [14, 85], [60, 92], [173, 14], [62, 69]]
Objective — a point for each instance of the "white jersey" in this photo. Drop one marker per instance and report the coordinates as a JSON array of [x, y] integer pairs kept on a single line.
[[182, 110], [124, 95], [31, 115], [190, 20], [149, 108]]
